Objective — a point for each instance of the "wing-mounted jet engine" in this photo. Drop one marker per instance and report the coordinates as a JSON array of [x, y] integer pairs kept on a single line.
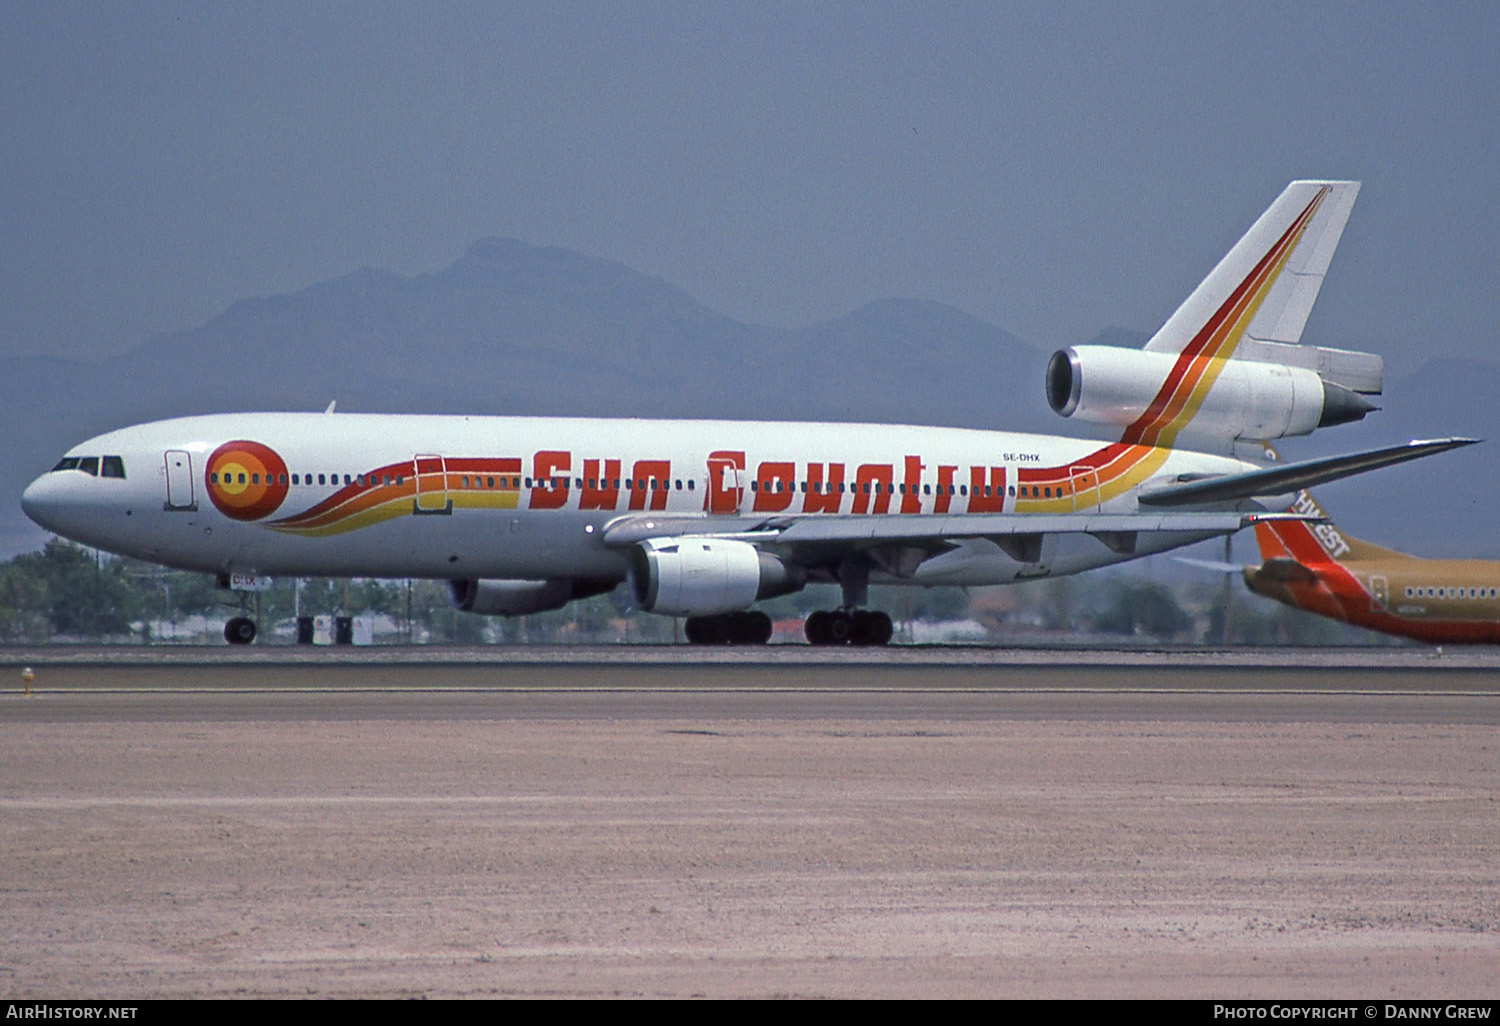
[[706, 576]]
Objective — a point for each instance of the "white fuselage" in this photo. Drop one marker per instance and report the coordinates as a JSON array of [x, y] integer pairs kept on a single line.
[[531, 497]]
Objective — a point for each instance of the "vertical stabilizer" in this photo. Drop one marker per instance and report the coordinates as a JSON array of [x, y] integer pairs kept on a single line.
[[1265, 286], [1313, 542]]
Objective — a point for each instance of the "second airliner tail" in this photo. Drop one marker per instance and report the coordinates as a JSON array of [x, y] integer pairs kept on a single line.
[[1312, 542]]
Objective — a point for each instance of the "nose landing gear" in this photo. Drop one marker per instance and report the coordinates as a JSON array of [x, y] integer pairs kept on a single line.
[[240, 630]]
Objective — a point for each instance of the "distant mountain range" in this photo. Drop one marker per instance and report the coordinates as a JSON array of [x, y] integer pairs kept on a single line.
[[511, 328]]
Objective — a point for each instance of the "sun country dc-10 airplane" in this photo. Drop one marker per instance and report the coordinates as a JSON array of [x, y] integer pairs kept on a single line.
[[1319, 568], [704, 518]]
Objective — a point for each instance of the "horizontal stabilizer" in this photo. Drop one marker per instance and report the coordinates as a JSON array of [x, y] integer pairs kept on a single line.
[[1288, 571], [1217, 566], [1356, 371], [1290, 477]]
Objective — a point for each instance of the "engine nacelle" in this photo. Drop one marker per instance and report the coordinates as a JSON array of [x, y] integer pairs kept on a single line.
[[1106, 385], [517, 598], [705, 576]]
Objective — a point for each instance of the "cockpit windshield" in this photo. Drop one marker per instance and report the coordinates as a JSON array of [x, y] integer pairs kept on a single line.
[[94, 466]]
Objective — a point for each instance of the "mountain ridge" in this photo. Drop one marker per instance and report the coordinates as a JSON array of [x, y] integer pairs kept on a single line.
[[512, 328]]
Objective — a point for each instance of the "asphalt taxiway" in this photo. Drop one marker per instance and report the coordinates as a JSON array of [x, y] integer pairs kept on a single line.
[[676, 821]]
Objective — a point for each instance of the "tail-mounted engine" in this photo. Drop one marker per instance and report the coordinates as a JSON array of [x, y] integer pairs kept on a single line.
[[1106, 385], [706, 576]]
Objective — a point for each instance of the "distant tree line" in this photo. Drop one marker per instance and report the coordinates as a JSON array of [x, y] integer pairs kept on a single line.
[[68, 592]]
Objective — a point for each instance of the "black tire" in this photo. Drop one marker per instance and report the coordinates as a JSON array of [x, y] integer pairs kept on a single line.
[[839, 628], [859, 627], [240, 630], [816, 628], [878, 628], [758, 628], [696, 631]]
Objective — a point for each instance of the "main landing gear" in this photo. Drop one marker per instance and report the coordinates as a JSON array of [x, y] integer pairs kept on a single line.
[[849, 627], [749, 628], [849, 624]]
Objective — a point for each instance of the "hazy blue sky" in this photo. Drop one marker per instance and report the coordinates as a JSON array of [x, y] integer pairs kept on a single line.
[[1053, 168]]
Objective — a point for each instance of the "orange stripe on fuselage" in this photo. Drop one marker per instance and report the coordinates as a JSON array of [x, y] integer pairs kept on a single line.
[[353, 499]]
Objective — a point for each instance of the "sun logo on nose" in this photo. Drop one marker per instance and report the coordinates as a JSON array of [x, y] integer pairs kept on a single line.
[[245, 480]]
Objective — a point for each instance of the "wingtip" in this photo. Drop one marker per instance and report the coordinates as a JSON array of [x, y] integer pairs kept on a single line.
[[1443, 443]]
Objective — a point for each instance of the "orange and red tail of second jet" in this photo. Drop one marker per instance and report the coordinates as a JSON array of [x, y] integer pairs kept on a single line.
[[1312, 565], [1313, 543]]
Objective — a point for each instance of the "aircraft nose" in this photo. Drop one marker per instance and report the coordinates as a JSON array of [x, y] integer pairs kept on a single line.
[[43, 502]]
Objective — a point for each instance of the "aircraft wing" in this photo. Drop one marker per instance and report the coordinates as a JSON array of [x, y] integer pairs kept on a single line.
[[900, 542], [840, 528], [1284, 478]]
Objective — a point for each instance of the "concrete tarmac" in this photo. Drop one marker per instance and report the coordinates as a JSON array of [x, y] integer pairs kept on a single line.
[[1034, 826]]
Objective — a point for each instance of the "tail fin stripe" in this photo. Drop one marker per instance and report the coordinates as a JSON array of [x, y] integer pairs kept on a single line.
[[1194, 372]]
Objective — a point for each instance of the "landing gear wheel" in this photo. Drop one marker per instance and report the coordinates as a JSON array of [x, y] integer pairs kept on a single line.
[[816, 628], [870, 627], [838, 627], [757, 628], [749, 628], [240, 630]]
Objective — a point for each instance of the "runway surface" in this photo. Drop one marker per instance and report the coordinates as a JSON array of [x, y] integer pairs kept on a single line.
[[586, 823]]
